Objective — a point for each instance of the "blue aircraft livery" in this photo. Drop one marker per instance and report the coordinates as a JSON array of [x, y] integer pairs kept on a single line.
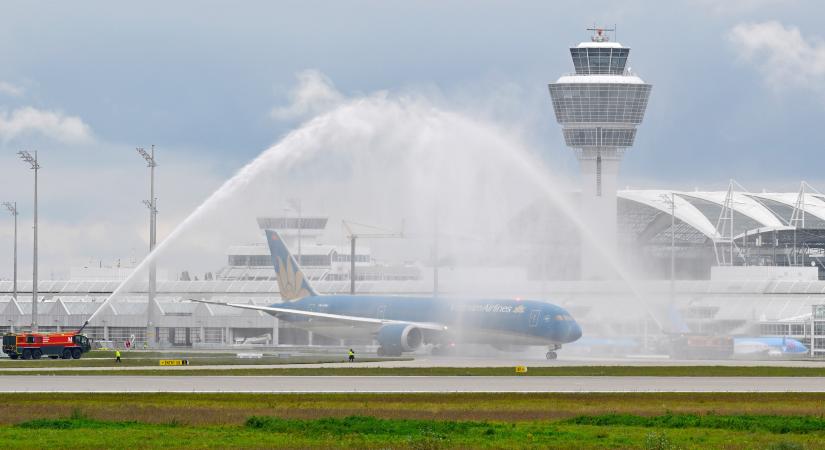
[[403, 324], [768, 346]]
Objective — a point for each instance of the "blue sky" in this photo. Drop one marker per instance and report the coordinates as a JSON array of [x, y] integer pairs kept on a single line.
[[203, 76], [739, 86]]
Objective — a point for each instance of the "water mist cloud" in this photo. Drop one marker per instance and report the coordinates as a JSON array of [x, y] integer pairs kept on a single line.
[[380, 159], [313, 95]]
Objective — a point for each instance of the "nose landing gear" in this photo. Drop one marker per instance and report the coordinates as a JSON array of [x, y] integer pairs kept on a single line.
[[551, 355], [551, 352]]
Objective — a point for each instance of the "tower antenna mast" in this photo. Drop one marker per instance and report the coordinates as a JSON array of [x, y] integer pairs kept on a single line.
[[599, 33]]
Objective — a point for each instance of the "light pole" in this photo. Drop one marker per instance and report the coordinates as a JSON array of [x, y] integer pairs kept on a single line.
[[295, 203], [435, 254], [672, 245], [12, 207], [32, 160], [152, 204]]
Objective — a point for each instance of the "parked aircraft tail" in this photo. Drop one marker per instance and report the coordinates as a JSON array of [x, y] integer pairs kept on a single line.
[[292, 282]]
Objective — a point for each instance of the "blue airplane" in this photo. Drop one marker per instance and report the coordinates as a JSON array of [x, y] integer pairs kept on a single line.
[[768, 346], [403, 324]]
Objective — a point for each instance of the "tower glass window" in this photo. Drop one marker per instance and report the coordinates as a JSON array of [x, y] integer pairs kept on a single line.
[[599, 61]]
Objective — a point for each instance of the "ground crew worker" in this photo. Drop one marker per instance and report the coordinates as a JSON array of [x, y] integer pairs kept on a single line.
[[351, 356], [117, 355]]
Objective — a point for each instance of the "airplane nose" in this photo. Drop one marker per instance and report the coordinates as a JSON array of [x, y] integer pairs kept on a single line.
[[574, 333]]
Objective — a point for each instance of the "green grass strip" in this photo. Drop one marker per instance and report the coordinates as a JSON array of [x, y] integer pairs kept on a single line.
[[73, 424], [596, 431], [772, 424], [365, 425]]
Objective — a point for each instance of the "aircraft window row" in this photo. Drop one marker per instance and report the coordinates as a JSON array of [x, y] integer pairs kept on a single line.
[[564, 317]]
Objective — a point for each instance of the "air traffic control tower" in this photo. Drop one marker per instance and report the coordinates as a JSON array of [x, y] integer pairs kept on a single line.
[[599, 107]]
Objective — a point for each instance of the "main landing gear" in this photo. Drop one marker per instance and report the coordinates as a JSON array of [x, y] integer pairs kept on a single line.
[[443, 349], [387, 352], [551, 352]]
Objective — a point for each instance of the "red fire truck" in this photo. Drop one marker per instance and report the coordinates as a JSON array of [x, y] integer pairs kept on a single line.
[[66, 345]]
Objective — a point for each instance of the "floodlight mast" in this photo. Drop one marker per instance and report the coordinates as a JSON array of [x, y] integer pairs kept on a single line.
[[32, 160], [295, 204], [12, 207], [352, 236], [152, 204]]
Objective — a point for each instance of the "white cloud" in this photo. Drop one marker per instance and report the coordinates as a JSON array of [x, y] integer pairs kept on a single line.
[[313, 95], [55, 125], [733, 7], [783, 56], [11, 90]]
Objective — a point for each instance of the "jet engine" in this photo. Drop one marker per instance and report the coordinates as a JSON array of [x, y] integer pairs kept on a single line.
[[396, 338]]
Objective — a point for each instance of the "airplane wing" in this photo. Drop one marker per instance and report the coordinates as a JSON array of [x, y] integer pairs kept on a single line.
[[335, 317]]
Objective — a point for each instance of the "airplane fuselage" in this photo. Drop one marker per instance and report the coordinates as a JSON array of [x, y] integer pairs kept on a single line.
[[480, 321]]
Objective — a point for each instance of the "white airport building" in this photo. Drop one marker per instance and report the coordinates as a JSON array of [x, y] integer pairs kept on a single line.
[[768, 290]]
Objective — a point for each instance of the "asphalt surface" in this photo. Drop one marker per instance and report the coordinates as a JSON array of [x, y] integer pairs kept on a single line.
[[436, 361], [296, 384]]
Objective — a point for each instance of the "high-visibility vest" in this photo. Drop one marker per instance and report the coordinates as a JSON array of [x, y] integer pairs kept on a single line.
[[351, 353], [117, 354]]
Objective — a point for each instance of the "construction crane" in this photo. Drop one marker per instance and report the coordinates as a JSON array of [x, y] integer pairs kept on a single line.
[[352, 236]]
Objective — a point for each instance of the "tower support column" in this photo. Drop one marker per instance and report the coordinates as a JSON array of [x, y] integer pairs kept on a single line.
[[598, 210]]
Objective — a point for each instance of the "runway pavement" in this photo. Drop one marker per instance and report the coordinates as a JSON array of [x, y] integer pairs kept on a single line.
[[437, 361], [435, 384]]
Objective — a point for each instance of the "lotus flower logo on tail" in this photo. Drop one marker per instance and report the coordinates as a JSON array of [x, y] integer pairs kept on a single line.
[[292, 283]]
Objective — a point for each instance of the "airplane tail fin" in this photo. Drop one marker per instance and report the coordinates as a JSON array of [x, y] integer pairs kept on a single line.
[[292, 282]]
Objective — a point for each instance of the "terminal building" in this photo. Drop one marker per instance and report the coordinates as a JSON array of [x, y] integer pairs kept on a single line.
[[699, 229], [320, 261], [248, 276], [722, 228], [746, 264]]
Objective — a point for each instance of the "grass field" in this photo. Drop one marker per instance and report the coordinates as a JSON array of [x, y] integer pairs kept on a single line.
[[665, 371], [784, 421]]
